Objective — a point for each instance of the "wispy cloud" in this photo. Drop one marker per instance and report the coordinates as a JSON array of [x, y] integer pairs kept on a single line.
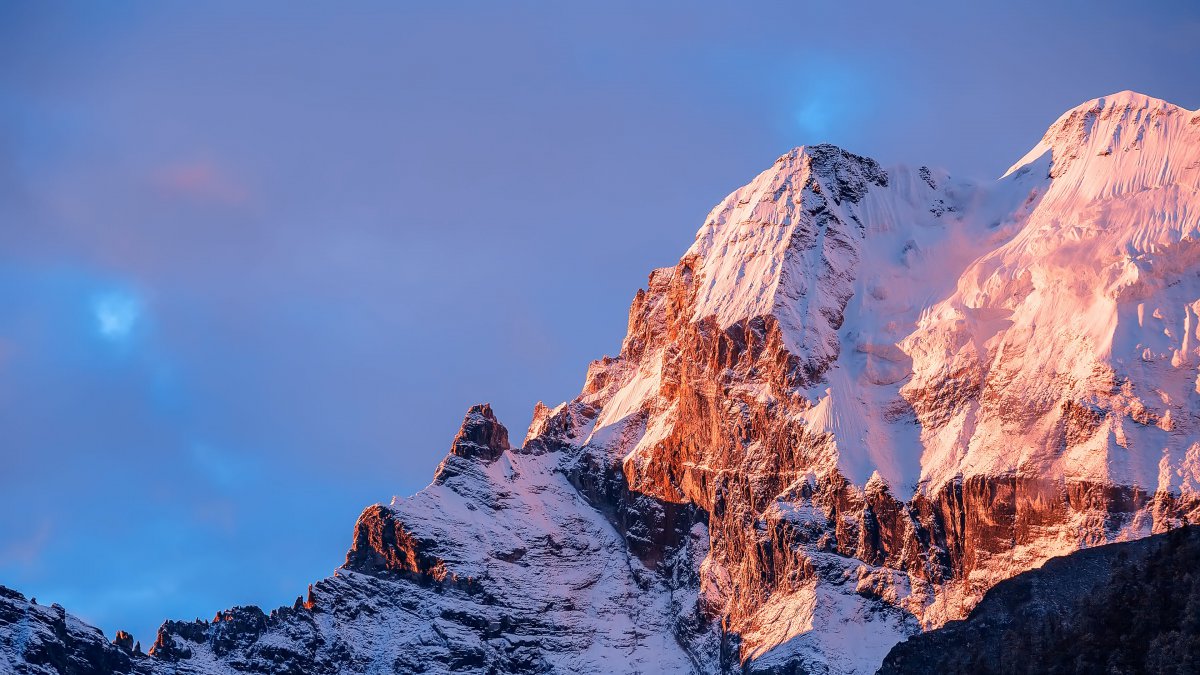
[[201, 180]]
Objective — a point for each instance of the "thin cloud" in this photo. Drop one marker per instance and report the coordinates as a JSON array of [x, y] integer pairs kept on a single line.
[[200, 180]]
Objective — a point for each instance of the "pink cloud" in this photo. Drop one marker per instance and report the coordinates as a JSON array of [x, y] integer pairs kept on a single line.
[[201, 180]]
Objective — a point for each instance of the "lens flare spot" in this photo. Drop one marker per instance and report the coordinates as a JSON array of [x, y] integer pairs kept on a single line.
[[830, 101], [116, 314]]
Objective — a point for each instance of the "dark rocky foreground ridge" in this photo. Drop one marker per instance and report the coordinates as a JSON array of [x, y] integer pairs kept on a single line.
[[1132, 607], [46, 639], [864, 397]]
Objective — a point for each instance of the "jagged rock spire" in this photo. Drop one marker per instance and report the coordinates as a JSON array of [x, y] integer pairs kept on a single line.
[[481, 436], [123, 641]]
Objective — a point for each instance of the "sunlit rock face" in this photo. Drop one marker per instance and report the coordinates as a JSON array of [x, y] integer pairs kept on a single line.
[[864, 396], [939, 384]]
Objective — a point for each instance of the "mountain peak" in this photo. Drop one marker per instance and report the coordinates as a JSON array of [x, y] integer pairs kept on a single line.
[[1081, 122], [790, 233], [1125, 99], [1113, 124], [849, 175], [481, 440], [481, 435]]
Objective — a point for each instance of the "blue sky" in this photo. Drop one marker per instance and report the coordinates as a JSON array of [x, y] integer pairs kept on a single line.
[[257, 261]]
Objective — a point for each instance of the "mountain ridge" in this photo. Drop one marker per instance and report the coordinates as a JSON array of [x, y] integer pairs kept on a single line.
[[864, 396]]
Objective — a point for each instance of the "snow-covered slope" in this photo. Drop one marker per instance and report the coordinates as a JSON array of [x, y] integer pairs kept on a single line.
[[499, 565], [956, 380], [1086, 317], [864, 396]]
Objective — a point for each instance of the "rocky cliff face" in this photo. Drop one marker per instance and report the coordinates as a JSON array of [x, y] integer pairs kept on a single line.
[[862, 397]]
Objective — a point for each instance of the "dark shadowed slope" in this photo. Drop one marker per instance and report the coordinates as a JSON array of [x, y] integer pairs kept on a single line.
[[1132, 607]]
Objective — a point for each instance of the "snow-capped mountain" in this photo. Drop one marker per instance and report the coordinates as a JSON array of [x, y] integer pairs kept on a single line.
[[864, 396]]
